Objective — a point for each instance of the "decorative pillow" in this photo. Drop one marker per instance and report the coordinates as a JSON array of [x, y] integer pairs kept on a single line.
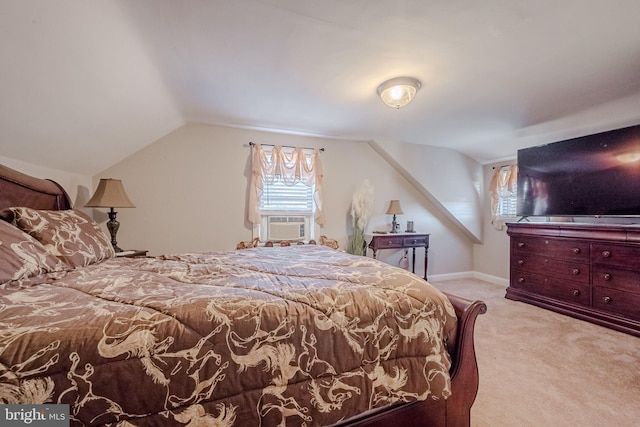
[[22, 256], [332, 243], [70, 235], [248, 244]]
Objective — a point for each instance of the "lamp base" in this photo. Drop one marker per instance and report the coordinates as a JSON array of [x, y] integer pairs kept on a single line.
[[113, 225], [394, 225]]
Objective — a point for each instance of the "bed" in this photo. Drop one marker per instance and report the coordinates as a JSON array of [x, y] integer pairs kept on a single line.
[[298, 335]]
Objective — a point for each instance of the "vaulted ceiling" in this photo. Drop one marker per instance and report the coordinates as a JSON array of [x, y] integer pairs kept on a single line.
[[84, 84]]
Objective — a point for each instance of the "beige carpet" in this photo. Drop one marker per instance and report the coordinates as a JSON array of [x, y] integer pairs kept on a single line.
[[539, 368]]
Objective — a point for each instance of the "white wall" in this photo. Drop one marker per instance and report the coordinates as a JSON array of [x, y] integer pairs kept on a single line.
[[451, 180], [190, 192]]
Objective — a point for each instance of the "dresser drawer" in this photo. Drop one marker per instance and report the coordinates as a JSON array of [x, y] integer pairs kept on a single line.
[[566, 270], [577, 293], [387, 242], [625, 256], [554, 248], [615, 301], [623, 280], [422, 241]]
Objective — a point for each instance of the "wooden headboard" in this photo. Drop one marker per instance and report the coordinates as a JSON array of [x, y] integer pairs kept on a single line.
[[18, 189]]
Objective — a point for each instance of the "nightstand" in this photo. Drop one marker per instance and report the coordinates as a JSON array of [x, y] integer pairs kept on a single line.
[[133, 253], [402, 241]]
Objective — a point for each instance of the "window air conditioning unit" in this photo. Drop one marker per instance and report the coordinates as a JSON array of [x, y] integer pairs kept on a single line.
[[288, 228]]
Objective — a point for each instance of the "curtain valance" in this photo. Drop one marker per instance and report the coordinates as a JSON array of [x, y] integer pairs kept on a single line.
[[289, 167]]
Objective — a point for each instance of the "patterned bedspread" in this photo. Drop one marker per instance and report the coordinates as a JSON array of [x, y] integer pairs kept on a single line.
[[302, 335]]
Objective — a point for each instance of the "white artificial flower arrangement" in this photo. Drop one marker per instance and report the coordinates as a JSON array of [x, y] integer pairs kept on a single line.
[[361, 208]]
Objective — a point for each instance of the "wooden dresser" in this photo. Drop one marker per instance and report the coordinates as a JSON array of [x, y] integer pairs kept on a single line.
[[588, 271]]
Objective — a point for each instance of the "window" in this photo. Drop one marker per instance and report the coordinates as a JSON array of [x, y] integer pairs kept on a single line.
[[507, 204], [286, 197], [504, 186], [286, 211]]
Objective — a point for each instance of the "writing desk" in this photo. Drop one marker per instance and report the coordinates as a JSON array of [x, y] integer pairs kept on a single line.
[[402, 241]]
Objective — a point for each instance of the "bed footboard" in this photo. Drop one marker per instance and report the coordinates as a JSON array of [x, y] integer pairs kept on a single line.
[[456, 410], [464, 369]]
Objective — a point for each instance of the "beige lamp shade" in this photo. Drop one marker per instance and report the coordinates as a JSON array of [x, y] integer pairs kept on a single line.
[[110, 194], [394, 208]]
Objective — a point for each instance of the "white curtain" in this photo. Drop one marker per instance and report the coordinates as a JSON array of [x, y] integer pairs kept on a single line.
[[504, 183], [289, 168]]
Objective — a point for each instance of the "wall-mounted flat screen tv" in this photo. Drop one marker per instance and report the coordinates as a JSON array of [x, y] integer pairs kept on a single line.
[[594, 175]]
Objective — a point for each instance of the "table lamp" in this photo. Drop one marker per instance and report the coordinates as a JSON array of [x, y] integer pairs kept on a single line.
[[394, 209], [110, 194]]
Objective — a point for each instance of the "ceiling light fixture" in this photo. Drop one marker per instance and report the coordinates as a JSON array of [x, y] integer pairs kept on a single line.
[[398, 92]]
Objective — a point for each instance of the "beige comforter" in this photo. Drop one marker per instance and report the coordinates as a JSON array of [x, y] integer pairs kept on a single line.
[[303, 335]]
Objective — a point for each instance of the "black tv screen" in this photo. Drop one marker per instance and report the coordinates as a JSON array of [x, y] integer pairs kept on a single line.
[[594, 175]]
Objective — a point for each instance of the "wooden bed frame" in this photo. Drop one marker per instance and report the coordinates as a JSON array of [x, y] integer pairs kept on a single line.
[[18, 189]]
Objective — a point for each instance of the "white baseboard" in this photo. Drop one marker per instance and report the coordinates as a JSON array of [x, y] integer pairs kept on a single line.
[[491, 279], [470, 275], [451, 276]]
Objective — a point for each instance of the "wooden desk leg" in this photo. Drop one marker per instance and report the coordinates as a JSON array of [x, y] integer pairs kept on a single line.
[[413, 262], [374, 253], [426, 262]]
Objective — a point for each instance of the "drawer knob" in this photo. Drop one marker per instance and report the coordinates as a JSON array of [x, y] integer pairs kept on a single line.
[[576, 251], [521, 280], [521, 244], [576, 292], [415, 241], [606, 276], [575, 271], [390, 242], [606, 254], [607, 300], [520, 262]]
